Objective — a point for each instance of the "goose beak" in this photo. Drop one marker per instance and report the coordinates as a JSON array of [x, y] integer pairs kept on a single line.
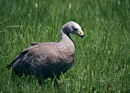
[[81, 33]]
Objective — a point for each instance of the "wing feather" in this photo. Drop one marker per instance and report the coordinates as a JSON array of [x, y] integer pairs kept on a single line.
[[34, 43], [18, 57]]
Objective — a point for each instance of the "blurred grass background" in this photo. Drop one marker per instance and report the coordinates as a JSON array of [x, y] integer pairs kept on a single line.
[[102, 59]]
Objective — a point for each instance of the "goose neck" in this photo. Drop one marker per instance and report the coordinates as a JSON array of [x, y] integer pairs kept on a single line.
[[65, 36]]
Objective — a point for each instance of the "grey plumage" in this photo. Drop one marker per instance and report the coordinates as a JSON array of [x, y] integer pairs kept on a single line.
[[46, 59]]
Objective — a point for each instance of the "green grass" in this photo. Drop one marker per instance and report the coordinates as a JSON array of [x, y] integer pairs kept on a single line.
[[102, 59]]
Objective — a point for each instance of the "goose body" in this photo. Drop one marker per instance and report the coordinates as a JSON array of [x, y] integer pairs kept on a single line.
[[46, 59]]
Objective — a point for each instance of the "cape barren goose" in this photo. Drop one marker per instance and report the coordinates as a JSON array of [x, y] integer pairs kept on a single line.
[[46, 59]]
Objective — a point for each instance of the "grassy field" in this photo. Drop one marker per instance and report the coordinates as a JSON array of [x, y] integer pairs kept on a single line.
[[102, 59]]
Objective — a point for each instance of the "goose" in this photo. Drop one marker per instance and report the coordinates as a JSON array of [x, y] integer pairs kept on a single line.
[[48, 59]]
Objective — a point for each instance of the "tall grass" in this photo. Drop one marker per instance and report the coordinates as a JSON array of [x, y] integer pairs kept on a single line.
[[102, 59]]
